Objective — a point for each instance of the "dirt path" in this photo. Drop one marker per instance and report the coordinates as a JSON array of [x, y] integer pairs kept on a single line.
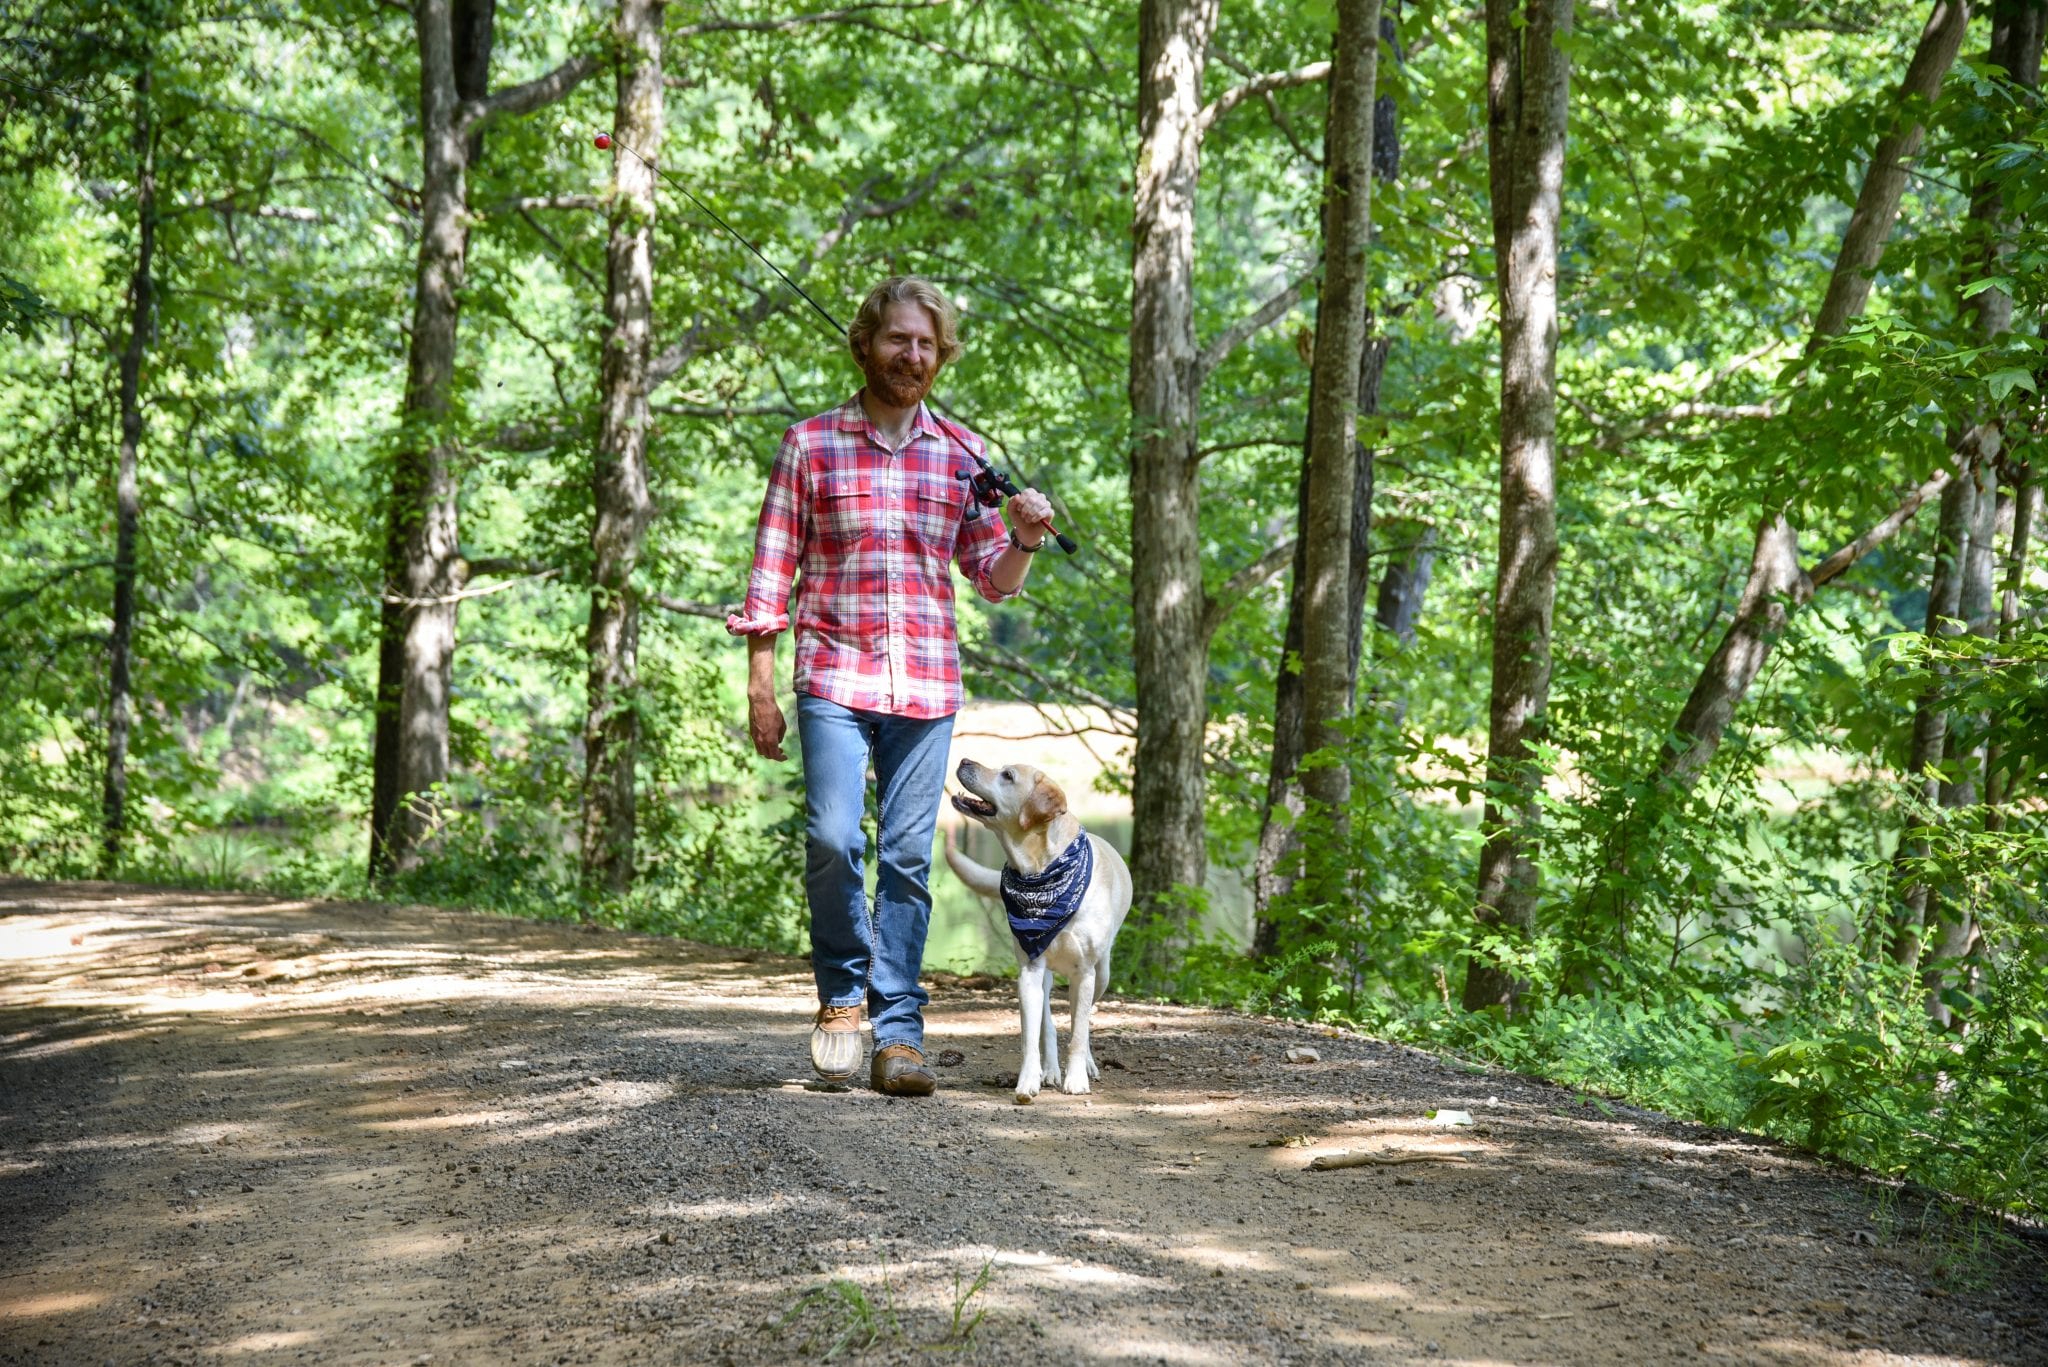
[[245, 1130]]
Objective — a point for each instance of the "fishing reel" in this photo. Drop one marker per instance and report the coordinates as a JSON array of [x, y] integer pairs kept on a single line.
[[987, 487]]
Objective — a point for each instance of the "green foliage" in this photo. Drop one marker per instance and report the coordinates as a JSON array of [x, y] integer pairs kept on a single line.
[[1718, 950]]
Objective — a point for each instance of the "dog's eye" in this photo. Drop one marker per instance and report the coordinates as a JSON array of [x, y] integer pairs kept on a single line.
[[1008, 776]]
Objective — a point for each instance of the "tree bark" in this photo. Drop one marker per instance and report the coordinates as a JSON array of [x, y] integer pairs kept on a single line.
[[1959, 746], [2026, 511], [1770, 593], [1528, 83], [1930, 719], [422, 568], [422, 564], [1168, 846], [1275, 861], [127, 487], [621, 502], [1342, 320]]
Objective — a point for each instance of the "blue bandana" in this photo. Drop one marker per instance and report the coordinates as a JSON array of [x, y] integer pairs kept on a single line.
[[1039, 908]]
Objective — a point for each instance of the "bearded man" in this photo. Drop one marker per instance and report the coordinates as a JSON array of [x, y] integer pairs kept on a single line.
[[863, 515]]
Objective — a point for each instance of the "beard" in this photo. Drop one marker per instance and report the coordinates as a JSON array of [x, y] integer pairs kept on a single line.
[[902, 385]]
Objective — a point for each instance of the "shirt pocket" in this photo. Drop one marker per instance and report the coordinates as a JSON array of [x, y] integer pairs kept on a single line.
[[934, 514], [844, 511]]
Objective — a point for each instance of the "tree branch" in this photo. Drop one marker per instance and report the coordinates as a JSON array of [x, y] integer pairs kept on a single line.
[[1217, 607], [1010, 663], [537, 93], [528, 203], [701, 410], [1985, 436], [790, 23], [1257, 86], [858, 208], [1238, 333], [692, 609]]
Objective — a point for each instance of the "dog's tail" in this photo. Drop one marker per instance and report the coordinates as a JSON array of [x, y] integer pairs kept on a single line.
[[984, 880]]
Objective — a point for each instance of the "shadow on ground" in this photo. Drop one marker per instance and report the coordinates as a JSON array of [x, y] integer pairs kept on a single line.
[[238, 1129]]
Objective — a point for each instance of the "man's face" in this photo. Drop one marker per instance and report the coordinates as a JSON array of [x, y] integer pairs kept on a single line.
[[903, 355]]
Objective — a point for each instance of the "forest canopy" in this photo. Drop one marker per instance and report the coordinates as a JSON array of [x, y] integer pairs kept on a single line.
[[1560, 569]]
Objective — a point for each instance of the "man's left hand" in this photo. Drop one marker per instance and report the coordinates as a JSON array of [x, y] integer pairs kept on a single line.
[[1030, 517]]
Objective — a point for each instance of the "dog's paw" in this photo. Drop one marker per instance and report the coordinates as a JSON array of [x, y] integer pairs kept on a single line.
[[1028, 1084], [1053, 1076], [1076, 1083], [1093, 1071]]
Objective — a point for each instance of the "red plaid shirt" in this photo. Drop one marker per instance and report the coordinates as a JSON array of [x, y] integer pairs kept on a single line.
[[871, 531]]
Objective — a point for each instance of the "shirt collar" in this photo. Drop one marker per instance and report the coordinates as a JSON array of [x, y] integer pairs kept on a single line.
[[854, 418]]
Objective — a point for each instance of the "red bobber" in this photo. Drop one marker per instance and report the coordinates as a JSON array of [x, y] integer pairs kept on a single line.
[[603, 140]]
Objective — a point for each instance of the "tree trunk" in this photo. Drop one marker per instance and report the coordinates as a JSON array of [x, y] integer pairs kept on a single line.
[[2016, 33], [620, 500], [127, 489], [1274, 861], [2026, 511], [1170, 654], [1275, 864], [422, 572], [1733, 667], [1404, 585], [1930, 719], [1953, 923], [1342, 319], [1527, 79]]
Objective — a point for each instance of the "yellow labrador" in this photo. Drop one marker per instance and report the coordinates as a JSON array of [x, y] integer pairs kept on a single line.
[[1066, 894]]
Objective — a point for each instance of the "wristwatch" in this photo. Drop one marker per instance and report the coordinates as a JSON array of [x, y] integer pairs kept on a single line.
[[1028, 550]]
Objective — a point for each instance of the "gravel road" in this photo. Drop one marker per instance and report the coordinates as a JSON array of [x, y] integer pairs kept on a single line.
[[244, 1130]]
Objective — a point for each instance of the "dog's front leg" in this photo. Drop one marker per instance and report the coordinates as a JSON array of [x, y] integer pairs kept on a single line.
[[1049, 1041], [1080, 1062], [1032, 982]]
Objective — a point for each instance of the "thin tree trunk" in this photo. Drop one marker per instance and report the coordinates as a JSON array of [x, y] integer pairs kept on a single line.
[[1342, 320], [422, 571], [1952, 922], [127, 488], [1274, 862], [1404, 585], [1774, 587], [1930, 719], [2026, 511], [1528, 83], [1962, 749], [1170, 655], [621, 503]]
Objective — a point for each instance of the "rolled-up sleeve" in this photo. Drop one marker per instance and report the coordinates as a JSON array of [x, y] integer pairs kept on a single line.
[[981, 541], [778, 546]]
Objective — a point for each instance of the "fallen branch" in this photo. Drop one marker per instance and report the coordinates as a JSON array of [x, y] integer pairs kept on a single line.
[[1330, 1162]]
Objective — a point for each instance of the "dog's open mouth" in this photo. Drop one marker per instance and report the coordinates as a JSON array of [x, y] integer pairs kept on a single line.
[[980, 808]]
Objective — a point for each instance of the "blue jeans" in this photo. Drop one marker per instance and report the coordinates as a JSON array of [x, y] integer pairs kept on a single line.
[[861, 953]]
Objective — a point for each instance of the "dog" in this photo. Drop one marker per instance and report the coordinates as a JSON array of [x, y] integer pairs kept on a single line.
[[1028, 814]]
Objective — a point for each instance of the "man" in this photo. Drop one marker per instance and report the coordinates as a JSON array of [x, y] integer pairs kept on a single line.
[[864, 513]]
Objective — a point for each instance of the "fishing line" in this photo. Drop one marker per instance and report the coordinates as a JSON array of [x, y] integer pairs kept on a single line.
[[986, 485]]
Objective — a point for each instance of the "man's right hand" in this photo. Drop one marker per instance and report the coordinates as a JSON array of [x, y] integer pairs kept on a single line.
[[766, 725]]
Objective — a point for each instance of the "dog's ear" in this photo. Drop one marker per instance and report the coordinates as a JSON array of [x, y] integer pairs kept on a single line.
[[1045, 803]]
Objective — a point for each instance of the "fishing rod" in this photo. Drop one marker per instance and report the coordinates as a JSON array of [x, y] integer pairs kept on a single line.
[[986, 485]]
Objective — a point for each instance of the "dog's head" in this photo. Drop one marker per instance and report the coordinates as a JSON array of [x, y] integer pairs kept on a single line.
[[1013, 800]]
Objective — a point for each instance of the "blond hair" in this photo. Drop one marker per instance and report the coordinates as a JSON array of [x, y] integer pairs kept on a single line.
[[906, 289]]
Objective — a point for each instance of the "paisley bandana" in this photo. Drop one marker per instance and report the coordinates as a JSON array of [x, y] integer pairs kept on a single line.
[[1040, 907]]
